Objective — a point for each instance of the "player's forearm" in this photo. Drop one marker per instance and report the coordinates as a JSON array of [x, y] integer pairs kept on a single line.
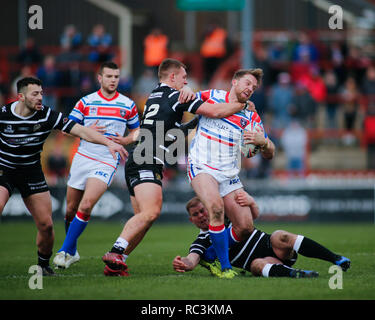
[[268, 149], [90, 135], [191, 261], [130, 138], [220, 110]]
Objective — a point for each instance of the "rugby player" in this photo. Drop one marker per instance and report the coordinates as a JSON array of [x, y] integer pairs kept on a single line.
[[262, 254], [214, 163], [24, 126], [163, 111], [93, 167]]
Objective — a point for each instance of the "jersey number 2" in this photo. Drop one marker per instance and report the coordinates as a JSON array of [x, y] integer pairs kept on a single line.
[[151, 111]]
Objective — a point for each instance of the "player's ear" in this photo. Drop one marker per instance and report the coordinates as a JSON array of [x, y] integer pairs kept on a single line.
[[21, 96]]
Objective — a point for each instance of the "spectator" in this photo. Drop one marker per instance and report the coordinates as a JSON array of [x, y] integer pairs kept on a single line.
[[29, 53], [71, 37], [332, 99], [213, 49], [305, 50], [350, 102], [100, 43], [294, 143], [303, 106], [280, 101], [368, 91], [155, 48], [50, 76]]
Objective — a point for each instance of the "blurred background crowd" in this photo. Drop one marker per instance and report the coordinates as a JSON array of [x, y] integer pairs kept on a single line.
[[317, 99]]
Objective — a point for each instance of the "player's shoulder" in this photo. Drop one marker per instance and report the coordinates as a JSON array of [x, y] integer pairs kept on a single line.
[[163, 92], [89, 98], [124, 100]]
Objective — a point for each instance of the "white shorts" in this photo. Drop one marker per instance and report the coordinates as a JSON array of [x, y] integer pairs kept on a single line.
[[226, 184], [84, 167]]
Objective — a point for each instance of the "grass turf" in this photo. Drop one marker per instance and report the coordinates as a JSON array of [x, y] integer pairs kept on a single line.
[[153, 278]]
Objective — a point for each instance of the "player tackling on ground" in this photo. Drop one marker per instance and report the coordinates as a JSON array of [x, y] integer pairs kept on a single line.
[[24, 126], [262, 254], [163, 111], [93, 167]]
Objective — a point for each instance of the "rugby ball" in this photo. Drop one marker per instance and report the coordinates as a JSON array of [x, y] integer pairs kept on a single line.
[[248, 149]]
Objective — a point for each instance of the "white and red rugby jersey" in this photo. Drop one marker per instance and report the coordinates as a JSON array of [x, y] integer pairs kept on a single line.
[[116, 114], [216, 144]]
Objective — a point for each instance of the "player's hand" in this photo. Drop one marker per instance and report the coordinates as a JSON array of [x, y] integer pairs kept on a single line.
[[179, 265], [119, 139], [250, 106], [254, 137], [186, 95], [100, 129], [114, 148], [243, 198]]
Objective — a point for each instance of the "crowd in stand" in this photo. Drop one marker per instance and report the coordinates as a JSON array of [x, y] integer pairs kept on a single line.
[[308, 84]]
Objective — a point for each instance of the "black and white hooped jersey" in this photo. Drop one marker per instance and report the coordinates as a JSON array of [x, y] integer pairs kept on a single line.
[[22, 138], [240, 254], [162, 113]]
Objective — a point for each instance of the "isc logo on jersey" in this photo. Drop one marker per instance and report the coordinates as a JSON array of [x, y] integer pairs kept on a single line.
[[101, 173]]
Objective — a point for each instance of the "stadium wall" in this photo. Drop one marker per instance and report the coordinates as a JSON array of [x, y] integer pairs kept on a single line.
[[296, 201]]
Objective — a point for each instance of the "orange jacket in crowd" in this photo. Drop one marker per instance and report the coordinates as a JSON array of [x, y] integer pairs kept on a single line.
[[213, 45], [155, 49]]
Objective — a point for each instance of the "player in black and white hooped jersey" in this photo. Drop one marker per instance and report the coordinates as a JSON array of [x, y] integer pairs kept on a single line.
[[163, 111], [24, 127], [262, 254]]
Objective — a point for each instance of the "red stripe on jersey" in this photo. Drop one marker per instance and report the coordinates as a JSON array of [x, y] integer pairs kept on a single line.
[[106, 99], [205, 95], [79, 106], [239, 121], [217, 139]]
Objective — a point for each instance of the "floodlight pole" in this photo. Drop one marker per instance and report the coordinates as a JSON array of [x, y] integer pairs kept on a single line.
[[247, 26]]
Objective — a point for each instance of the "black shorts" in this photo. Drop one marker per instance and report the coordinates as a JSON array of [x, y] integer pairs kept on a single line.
[[27, 181], [264, 249], [135, 175]]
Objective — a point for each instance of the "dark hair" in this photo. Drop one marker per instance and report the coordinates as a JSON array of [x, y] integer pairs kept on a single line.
[[108, 64], [257, 73], [24, 82], [168, 64]]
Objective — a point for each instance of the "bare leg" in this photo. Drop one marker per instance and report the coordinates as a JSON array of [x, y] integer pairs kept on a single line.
[[40, 207]]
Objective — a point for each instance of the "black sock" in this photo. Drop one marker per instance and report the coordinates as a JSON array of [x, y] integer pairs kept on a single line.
[[117, 250], [43, 259], [279, 270], [310, 248]]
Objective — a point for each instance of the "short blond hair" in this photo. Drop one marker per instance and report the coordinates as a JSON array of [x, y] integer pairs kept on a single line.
[[192, 203], [167, 65], [257, 73]]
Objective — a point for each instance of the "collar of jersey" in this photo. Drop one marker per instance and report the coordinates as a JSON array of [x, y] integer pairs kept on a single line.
[[103, 97], [13, 110]]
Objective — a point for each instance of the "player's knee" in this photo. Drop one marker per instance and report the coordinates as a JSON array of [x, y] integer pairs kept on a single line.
[[257, 266], [46, 226], [152, 215], [86, 206], [281, 237]]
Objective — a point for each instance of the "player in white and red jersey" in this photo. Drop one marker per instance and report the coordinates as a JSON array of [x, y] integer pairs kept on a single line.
[[93, 167], [214, 163]]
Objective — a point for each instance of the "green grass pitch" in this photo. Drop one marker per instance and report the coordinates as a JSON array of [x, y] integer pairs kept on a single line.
[[153, 278]]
